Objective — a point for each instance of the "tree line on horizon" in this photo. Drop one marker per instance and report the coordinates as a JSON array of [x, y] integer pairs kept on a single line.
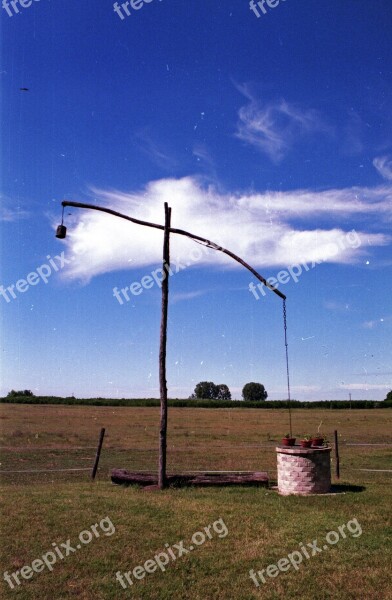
[[207, 390], [27, 397]]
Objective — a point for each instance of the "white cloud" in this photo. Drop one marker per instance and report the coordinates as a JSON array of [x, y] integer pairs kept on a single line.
[[256, 226], [364, 386], [273, 128], [383, 165], [305, 388]]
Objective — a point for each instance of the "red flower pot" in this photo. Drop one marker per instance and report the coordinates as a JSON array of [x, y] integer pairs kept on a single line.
[[288, 441], [306, 443], [318, 441]]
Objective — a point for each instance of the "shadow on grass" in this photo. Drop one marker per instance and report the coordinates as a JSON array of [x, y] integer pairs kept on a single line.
[[197, 479], [336, 488], [343, 488]]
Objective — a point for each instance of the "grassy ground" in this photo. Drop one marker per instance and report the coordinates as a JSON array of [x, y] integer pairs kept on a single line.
[[40, 509]]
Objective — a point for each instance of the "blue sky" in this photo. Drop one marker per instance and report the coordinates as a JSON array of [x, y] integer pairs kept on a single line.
[[270, 135]]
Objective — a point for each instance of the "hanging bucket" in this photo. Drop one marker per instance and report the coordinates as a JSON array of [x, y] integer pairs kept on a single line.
[[61, 232]]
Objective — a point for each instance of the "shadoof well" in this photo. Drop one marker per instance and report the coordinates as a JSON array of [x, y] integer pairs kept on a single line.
[[120, 476]]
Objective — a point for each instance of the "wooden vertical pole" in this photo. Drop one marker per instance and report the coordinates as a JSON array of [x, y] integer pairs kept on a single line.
[[162, 351], [98, 454], [337, 455]]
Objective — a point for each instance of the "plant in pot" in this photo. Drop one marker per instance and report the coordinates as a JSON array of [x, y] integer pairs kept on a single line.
[[318, 439], [306, 441], [323, 437], [287, 440]]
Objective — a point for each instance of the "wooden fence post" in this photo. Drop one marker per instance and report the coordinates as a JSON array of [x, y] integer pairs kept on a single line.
[[337, 468], [98, 454]]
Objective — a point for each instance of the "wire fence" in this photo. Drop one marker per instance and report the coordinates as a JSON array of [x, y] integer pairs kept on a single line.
[[26, 465]]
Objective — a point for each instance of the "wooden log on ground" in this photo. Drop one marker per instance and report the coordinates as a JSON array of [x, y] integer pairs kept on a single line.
[[208, 479], [258, 478]]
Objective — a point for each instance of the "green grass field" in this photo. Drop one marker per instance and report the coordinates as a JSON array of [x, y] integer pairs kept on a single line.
[[43, 508]]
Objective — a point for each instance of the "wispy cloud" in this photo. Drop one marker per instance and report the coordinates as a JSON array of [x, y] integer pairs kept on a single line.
[[154, 151], [273, 128], [327, 203], [352, 138], [364, 386], [383, 165], [200, 151], [263, 228], [336, 306], [377, 322], [305, 388], [9, 212], [373, 374], [180, 297]]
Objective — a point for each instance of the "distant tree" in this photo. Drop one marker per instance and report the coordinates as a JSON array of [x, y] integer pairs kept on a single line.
[[206, 390], [13, 393], [254, 392], [388, 399], [223, 392]]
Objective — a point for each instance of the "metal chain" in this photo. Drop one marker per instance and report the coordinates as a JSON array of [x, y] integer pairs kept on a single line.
[[287, 361]]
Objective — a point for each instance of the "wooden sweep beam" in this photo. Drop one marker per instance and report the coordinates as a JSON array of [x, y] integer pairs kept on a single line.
[[192, 236]]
